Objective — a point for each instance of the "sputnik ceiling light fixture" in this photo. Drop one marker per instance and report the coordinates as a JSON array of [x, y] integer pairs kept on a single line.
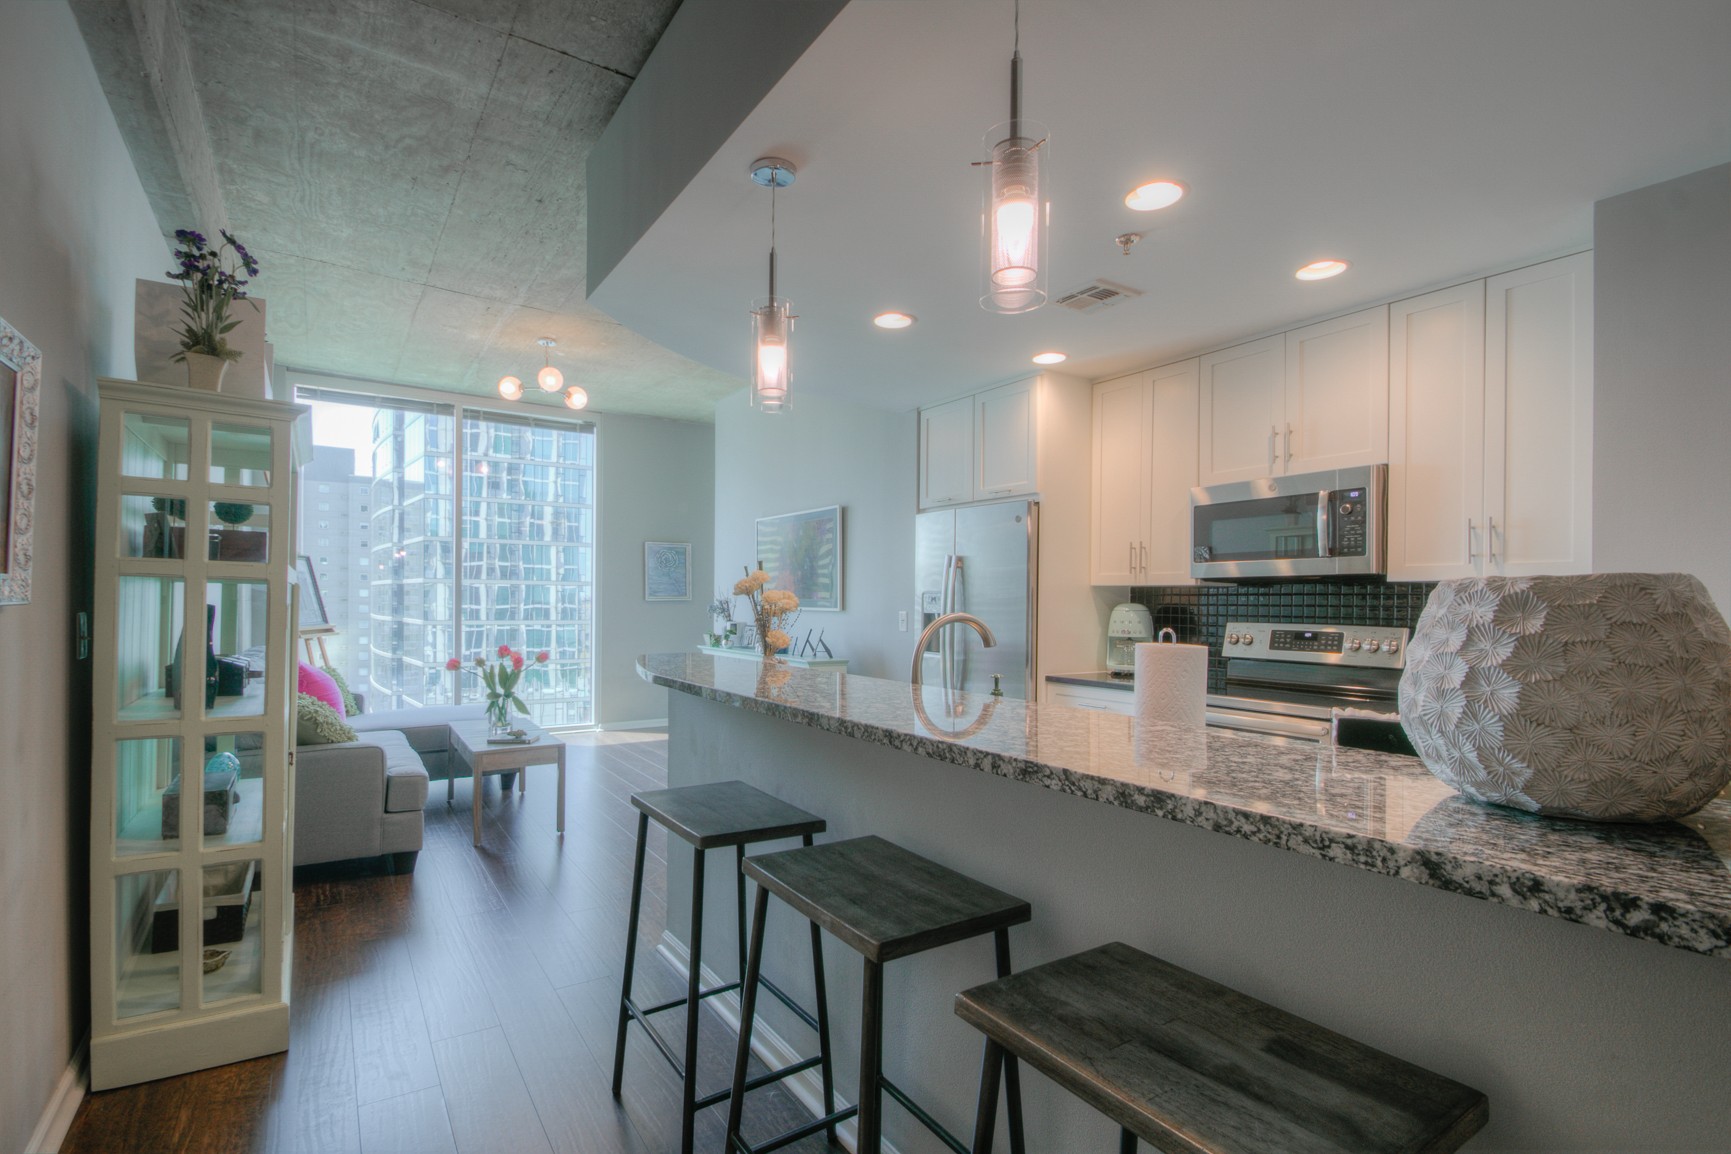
[[550, 379], [1015, 219], [771, 318]]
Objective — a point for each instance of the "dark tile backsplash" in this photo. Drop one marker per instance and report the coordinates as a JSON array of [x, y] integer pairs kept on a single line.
[[1199, 613]]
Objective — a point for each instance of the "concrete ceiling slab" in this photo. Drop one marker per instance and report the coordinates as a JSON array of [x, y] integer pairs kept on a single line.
[[410, 174]]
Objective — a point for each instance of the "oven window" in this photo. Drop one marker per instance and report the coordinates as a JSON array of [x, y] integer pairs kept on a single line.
[[1266, 529]]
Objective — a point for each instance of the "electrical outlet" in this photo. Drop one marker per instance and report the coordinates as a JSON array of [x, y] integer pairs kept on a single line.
[[902, 620]]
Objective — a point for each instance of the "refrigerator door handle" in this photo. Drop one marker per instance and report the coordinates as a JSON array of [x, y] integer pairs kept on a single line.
[[948, 605]]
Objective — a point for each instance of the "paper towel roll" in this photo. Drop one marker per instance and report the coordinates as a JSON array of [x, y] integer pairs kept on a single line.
[[1172, 683]]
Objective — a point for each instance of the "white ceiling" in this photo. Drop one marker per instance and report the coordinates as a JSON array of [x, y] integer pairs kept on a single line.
[[1426, 141]]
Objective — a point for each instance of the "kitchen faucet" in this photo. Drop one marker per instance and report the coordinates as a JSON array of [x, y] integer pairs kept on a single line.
[[979, 627]]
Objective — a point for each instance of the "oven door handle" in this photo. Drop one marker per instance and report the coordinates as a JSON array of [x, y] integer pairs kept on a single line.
[[1301, 729], [1324, 546]]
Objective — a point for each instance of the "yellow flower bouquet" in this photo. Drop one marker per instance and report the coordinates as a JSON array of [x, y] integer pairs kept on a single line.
[[772, 611]]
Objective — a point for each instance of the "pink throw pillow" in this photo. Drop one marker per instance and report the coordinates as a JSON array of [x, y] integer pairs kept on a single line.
[[317, 683]]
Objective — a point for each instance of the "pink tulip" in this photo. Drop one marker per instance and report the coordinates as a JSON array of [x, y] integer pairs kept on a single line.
[[504, 651], [453, 665], [516, 662], [542, 657]]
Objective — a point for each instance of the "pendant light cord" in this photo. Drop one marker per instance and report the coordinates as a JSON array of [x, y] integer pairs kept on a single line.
[[774, 183]]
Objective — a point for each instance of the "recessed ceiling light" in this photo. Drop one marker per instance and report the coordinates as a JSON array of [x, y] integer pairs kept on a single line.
[[1321, 269], [1156, 194], [1050, 358], [893, 320]]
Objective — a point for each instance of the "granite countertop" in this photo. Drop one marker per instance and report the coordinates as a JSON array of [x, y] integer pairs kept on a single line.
[[1668, 883]]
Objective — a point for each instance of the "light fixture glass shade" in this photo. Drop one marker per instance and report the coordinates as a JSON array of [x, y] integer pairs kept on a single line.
[[576, 397], [550, 379], [1014, 220], [510, 388], [771, 366]]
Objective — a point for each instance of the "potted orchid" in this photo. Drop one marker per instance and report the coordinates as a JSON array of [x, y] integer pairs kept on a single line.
[[210, 281], [500, 677]]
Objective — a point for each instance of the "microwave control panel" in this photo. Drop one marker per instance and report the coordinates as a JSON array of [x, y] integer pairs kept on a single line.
[[1347, 516]]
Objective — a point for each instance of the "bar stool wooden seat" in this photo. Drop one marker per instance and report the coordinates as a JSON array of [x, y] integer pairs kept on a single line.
[[1194, 1067], [883, 902], [715, 816]]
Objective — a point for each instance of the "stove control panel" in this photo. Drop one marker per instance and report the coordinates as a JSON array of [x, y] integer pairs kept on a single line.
[[1373, 646]]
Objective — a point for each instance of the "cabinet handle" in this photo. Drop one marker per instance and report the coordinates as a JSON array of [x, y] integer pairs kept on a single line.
[[1144, 559], [1289, 442], [1132, 569], [1472, 553], [1273, 435], [1491, 539]]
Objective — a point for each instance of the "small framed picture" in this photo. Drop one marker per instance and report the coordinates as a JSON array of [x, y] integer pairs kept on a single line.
[[666, 570], [20, 390]]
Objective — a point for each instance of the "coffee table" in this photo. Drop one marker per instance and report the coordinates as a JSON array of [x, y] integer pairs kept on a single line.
[[469, 743]]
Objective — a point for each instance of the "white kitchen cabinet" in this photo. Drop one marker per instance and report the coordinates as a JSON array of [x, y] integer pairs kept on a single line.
[[1123, 423], [1010, 441], [947, 453], [1005, 460], [1243, 405], [1539, 418], [1336, 414], [1144, 467], [1101, 699], [1490, 426], [1297, 402]]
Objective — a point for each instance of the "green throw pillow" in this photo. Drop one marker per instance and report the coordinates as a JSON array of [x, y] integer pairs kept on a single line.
[[317, 723], [350, 708]]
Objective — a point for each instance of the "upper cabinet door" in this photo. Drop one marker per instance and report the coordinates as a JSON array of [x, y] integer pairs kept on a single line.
[[1436, 435], [1173, 391], [1243, 409], [1336, 394], [947, 453], [1005, 463], [1122, 417], [1539, 418]]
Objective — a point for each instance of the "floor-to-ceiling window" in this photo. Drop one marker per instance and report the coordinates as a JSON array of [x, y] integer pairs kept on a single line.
[[383, 521]]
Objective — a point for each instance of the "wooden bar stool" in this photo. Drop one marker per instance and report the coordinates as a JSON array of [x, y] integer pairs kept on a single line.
[[1194, 1067], [884, 903], [714, 816]]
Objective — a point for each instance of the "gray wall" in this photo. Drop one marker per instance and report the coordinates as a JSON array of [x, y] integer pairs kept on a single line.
[[654, 481], [824, 452], [1584, 1040], [1662, 380], [75, 231]]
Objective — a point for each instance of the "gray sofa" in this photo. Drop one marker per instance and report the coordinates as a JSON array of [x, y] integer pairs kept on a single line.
[[363, 798]]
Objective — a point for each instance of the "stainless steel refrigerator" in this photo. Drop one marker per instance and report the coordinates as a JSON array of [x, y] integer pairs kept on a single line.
[[981, 559]]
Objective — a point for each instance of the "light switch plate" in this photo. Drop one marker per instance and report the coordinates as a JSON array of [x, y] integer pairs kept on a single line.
[[902, 620]]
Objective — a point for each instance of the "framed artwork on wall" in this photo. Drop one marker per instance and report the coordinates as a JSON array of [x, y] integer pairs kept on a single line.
[[314, 619], [666, 571], [803, 552], [20, 397]]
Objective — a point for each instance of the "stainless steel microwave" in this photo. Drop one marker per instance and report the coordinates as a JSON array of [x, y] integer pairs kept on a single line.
[[1330, 524]]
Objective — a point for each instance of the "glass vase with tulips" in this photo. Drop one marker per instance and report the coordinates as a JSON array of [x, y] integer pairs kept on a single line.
[[501, 677]]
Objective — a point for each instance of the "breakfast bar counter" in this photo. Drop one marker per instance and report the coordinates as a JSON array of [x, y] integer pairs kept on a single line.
[[1347, 886]]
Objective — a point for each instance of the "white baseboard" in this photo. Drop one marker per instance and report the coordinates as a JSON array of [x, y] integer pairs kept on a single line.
[[63, 1104], [770, 1048], [641, 723]]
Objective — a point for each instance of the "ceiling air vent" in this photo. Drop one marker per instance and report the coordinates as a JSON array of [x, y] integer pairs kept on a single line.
[[1096, 295]]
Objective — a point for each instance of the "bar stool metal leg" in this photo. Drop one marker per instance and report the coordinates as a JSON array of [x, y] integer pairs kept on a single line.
[[986, 1116], [693, 1006], [630, 953], [747, 1011], [822, 992], [1126, 1142], [871, 1061], [1012, 1071]]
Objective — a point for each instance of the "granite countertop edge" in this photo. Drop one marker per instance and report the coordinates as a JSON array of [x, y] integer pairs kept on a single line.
[[1649, 917]]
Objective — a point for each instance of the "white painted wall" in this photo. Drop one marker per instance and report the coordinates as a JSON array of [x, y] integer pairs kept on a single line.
[[825, 452], [654, 481], [1584, 1040], [1662, 380], [75, 232]]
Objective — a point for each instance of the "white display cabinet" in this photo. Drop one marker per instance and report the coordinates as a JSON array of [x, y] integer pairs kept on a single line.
[[195, 561]]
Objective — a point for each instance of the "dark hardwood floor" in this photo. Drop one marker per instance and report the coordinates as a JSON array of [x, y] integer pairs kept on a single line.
[[467, 1008]]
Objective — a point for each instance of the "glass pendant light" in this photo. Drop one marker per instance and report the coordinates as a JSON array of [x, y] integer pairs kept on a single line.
[[1014, 221], [549, 378], [771, 317], [576, 397], [510, 388]]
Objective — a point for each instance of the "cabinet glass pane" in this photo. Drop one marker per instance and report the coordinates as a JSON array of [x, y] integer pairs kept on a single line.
[[239, 455], [152, 526], [232, 956], [148, 619], [156, 447], [237, 612], [233, 789], [146, 962], [239, 531], [144, 771]]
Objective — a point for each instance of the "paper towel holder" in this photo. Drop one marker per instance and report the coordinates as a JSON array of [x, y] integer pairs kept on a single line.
[[1167, 634]]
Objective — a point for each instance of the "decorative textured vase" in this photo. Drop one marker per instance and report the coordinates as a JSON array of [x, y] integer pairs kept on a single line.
[[1606, 697], [204, 372]]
